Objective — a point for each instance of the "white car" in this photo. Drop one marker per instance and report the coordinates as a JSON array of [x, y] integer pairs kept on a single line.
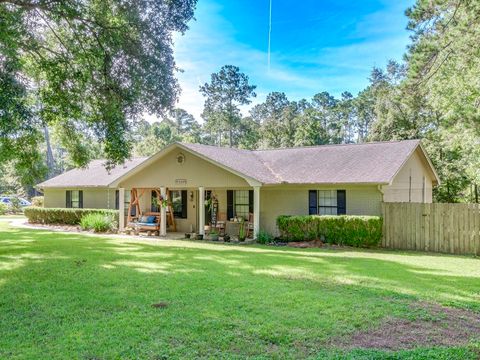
[[7, 200]]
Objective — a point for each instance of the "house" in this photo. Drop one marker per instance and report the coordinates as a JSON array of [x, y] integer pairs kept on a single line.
[[331, 179]]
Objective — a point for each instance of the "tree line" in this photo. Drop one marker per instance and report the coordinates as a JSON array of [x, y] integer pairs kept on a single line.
[[76, 76], [387, 109]]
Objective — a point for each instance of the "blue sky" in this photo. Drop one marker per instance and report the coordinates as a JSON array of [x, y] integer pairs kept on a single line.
[[316, 45]]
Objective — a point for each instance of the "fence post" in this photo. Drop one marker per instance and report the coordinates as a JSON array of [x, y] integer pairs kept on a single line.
[[476, 213]]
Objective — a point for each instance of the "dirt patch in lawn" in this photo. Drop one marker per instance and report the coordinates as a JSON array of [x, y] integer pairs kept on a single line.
[[160, 305], [432, 325]]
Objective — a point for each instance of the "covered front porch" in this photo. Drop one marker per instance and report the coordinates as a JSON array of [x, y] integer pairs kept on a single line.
[[196, 192], [199, 210]]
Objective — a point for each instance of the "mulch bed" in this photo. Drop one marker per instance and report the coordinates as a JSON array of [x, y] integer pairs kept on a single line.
[[62, 227], [444, 327]]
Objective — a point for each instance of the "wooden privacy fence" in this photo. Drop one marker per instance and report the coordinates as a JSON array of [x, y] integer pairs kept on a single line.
[[447, 228]]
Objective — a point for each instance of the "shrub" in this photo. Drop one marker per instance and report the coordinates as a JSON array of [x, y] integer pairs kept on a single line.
[[3, 209], [98, 222], [63, 216], [37, 201], [264, 237], [360, 231]]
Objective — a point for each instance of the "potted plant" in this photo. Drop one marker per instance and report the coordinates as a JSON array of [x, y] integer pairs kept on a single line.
[[226, 238], [214, 235], [242, 235]]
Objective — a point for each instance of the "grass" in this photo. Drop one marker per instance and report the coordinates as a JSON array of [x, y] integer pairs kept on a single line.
[[76, 296]]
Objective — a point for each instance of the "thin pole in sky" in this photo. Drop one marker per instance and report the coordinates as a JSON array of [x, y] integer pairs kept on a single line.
[[269, 33]]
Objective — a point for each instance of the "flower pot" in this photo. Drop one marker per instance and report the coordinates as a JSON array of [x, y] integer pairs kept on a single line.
[[214, 237], [199, 237], [187, 235], [226, 238]]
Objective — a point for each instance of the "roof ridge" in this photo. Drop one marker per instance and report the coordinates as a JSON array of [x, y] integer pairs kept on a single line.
[[337, 145], [215, 146]]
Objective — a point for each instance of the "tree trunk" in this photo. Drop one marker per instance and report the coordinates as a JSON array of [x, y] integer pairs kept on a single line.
[[50, 159]]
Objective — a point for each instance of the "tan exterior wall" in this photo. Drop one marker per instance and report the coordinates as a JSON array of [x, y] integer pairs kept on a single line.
[[194, 172], [400, 191], [93, 198], [54, 198], [291, 200]]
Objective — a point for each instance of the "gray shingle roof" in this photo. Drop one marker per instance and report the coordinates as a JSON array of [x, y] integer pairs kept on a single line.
[[328, 164], [242, 161], [94, 175], [369, 163]]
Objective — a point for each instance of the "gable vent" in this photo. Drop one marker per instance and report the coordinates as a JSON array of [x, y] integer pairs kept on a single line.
[[180, 158]]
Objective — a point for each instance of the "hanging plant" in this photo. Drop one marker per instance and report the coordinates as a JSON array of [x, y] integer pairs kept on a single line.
[[160, 202], [163, 202]]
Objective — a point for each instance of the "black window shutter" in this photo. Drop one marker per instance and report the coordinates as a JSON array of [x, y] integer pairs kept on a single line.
[[312, 202], [117, 199], [80, 199], [250, 201], [229, 204], [184, 204], [341, 202], [68, 197], [153, 207]]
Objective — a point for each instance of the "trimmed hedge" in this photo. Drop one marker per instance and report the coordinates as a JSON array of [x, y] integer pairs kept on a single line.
[[359, 231], [39, 215]]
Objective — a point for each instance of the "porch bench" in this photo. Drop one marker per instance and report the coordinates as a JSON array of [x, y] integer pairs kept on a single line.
[[149, 227]]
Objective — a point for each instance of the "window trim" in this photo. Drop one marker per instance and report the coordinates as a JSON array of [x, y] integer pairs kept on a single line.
[[69, 202], [327, 206]]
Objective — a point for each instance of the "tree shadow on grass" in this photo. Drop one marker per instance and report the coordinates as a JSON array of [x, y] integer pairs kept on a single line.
[[94, 295]]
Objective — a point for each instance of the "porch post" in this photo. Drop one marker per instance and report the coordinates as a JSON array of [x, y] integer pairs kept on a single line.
[[163, 213], [121, 210], [201, 210], [256, 211]]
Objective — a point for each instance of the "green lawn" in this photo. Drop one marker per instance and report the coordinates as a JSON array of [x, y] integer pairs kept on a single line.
[[75, 296]]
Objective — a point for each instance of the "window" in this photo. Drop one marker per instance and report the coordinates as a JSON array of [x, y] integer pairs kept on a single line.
[[74, 199], [178, 199], [126, 203], [327, 202], [241, 203]]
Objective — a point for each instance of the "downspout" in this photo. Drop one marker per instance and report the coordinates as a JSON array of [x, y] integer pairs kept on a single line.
[[380, 189]]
